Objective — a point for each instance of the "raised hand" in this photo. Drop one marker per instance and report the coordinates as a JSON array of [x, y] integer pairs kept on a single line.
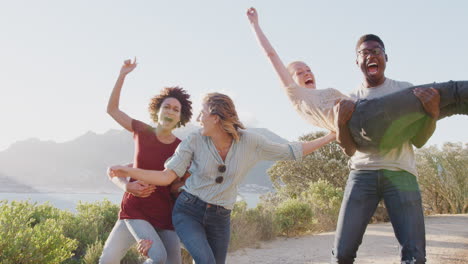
[[128, 66], [252, 15]]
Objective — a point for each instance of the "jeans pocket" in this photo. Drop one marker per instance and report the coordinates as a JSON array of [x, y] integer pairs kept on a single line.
[[186, 198], [221, 211]]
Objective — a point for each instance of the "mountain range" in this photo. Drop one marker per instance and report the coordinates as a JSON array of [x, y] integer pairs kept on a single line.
[[80, 165]]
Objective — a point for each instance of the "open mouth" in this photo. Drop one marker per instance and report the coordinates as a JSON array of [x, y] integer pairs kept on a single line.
[[309, 81], [372, 68], [168, 119]]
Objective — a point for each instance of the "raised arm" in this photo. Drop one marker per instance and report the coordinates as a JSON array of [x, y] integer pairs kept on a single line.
[[137, 188], [160, 178], [280, 69], [113, 105], [311, 146]]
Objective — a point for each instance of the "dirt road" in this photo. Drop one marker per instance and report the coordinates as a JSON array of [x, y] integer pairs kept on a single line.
[[446, 240]]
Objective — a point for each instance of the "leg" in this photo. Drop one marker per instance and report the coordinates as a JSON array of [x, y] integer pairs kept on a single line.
[[386, 122], [172, 244], [359, 203], [218, 231], [118, 243], [403, 201], [187, 216], [141, 229]]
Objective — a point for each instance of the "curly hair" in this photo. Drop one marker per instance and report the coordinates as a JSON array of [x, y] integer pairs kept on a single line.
[[223, 106], [175, 92]]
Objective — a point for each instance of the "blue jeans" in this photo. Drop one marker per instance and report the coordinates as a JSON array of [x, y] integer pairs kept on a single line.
[[364, 190], [124, 235], [386, 122], [203, 228]]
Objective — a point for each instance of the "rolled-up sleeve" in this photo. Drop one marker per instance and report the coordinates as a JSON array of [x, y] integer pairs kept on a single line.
[[182, 157], [268, 150]]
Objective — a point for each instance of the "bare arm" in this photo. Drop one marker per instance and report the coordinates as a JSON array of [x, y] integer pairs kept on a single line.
[[137, 188], [160, 178], [343, 110], [430, 99], [113, 105], [311, 146], [280, 69]]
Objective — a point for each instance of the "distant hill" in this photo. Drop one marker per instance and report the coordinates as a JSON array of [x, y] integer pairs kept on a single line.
[[80, 165]]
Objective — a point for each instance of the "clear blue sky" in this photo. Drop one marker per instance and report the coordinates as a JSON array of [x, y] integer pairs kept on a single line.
[[60, 59]]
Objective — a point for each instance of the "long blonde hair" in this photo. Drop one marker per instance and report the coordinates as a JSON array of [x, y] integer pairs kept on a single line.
[[223, 106]]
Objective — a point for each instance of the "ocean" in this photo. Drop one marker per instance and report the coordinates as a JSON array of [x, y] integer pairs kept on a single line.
[[68, 201]]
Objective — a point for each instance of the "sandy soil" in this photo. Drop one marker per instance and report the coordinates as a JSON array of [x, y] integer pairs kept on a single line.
[[446, 240]]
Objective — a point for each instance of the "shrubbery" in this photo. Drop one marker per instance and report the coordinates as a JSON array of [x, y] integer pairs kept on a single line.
[[293, 217], [443, 178], [31, 233], [29, 237]]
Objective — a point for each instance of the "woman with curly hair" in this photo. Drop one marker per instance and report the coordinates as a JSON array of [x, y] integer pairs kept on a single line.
[[220, 154], [146, 209]]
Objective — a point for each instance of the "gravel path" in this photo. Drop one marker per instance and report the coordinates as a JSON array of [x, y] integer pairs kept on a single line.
[[446, 240]]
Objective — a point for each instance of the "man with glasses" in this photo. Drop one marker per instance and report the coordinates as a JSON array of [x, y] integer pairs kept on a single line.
[[387, 175], [371, 129]]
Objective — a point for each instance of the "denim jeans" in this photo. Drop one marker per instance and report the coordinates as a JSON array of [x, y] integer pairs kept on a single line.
[[401, 195], [165, 247], [204, 229], [383, 123]]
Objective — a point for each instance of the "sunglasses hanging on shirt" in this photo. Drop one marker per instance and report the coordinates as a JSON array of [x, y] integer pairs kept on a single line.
[[221, 169]]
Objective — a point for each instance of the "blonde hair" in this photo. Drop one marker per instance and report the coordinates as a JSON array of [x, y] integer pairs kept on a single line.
[[291, 64], [223, 106]]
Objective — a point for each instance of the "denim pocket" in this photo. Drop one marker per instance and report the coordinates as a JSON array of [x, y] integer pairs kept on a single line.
[[221, 211], [186, 198]]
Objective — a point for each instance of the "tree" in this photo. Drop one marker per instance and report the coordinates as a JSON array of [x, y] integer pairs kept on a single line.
[[443, 178], [327, 163]]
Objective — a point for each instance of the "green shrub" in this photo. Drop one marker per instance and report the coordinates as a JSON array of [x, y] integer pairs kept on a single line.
[[133, 257], [325, 201], [293, 217], [93, 252], [243, 233], [443, 178], [29, 237], [186, 257], [92, 222]]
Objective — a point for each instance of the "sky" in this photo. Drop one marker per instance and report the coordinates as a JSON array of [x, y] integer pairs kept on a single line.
[[60, 59]]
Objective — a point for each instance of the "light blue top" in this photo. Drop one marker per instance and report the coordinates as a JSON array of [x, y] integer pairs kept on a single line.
[[200, 153]]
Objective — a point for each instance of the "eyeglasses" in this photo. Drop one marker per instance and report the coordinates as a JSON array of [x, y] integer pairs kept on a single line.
[[375, 51], [221, 169]]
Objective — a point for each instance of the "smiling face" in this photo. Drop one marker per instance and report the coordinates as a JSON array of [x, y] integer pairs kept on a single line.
[[302, 74], [169, 113], [208, 122], [372, 65]]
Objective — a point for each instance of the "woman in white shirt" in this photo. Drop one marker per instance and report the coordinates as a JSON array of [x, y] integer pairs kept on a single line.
[[219, 156]]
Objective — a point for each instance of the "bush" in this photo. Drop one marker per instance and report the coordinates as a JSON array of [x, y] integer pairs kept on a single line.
[[328, 163], [93, 252], [248, 226], [293, 217], [325, 201], [443, 178], [93, 222], [28, 237], [243, 232]]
